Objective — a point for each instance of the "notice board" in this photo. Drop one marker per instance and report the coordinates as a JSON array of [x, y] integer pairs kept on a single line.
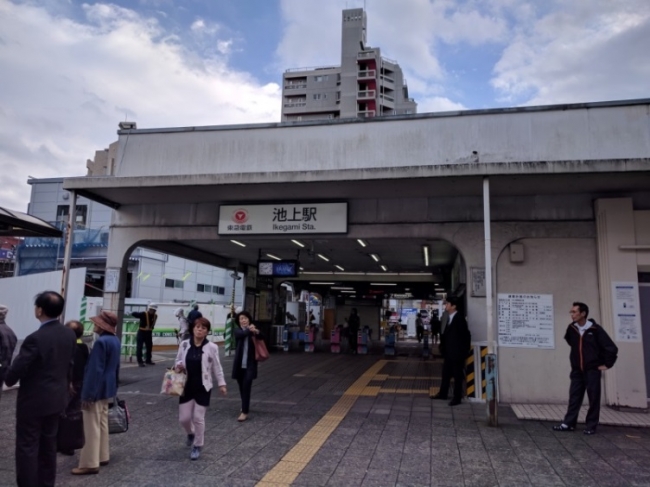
[[526, 320]]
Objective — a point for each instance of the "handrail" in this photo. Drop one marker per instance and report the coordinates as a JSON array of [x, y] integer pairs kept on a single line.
[[317, 68]]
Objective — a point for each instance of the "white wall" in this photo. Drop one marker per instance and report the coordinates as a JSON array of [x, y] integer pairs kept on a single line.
[[565, 268], [599, 133], [18, 294]]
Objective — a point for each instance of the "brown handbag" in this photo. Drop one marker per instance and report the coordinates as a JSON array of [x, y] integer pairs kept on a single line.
[[261, 353]]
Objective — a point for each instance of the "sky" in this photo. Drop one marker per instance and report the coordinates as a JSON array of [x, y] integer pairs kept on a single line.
[[70, 71]]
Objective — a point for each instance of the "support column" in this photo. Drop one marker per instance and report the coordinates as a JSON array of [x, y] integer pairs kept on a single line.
[[491, 362], [625, 384], [69, 242]]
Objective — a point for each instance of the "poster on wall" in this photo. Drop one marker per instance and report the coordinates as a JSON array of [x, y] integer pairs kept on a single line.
[[265, 306], [625, 306], [526, 321]]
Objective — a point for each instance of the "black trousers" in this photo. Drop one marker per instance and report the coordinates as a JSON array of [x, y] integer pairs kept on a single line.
[[143, 338], [354, 338], [453, 368], [419, 333], [245, 383], [588, 381], [36, 450]]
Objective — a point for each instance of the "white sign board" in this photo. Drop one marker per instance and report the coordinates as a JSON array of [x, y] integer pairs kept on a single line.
[[281, 219], [526, 320], [625, 306]]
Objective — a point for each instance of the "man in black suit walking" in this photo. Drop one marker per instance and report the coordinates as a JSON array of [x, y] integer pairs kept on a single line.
[[454, 347], [43, 367]]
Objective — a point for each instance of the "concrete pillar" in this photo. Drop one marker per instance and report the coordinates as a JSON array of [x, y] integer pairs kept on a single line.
[[120, 245], [625, 384]]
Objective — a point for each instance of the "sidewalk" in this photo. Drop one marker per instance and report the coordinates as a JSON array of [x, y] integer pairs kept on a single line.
[[343, 420]]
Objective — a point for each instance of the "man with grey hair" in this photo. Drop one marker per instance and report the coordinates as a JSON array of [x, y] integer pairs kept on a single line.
[[7, 344]]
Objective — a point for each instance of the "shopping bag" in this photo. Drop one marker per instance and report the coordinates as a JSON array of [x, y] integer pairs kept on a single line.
[[261, 353], [173, 383], [118, 417]]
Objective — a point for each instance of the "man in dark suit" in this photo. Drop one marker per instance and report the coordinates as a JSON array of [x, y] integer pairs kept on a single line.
[[454, 347], [43, 367]]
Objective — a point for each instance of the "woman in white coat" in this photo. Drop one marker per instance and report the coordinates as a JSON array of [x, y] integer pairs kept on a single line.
[[183, 325], [199, 359]]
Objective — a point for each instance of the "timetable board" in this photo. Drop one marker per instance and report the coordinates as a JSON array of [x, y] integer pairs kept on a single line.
[[526, 320]]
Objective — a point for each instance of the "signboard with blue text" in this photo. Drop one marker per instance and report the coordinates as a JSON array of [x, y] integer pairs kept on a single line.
[[280, 268]]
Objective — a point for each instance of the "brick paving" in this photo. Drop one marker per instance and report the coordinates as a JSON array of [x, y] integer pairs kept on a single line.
[[383, 439]]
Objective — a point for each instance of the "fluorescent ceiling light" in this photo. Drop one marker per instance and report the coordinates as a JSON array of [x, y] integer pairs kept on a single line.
[[236, 242], [361, 242], [273, 256], [382, 274], [384, 268], [339, 267], [349, 273], [348, 292], [299, 244], [382, 284], [414, 273], [323, 257], [302, 269], [341, 288], [425, 251], [322, 283], [375, 257], [318, 273]]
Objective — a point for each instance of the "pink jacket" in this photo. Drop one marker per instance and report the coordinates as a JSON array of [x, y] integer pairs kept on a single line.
[[209, 363]]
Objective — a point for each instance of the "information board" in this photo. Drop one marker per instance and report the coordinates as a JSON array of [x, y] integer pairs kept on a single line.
[[627, 320], [526, 320]]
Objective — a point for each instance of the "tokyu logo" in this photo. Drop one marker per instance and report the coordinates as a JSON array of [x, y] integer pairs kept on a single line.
[[240, 216]]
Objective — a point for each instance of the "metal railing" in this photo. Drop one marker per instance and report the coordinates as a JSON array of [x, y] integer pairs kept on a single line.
[[296, 105], [317, 68], [295, 86], [387, 78], [368, 73], [366, 54], [388, 60], [384, 96]]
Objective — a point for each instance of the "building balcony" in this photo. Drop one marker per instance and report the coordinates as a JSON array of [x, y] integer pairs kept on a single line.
[[295, 105], [367, 54], [366, 113], [295, 86], [367, 74], [387, 100], [366, 95]]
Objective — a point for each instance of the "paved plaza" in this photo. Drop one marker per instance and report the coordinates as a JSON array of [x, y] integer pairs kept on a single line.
[[344, 420]]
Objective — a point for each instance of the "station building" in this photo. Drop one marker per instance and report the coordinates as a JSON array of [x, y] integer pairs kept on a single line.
[[567, 188]]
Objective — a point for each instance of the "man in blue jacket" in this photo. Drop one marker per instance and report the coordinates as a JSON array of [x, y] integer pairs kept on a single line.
[[99, 388], [592, 351]]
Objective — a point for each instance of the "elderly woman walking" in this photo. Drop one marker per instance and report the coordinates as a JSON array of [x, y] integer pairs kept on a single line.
[[244, 369], [199, 359], [99, 387]]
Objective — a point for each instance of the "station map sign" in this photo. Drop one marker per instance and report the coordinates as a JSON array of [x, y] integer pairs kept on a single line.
[[526, 320], [283, 219], [278, 268]]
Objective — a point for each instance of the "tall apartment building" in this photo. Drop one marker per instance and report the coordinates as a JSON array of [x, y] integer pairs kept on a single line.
[[364, 85]]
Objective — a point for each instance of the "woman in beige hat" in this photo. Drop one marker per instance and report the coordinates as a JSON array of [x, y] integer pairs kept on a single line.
[[99, 388]]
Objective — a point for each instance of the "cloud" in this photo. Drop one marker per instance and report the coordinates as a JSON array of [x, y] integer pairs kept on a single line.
[[589, 51], [438, 104], [65, 89]]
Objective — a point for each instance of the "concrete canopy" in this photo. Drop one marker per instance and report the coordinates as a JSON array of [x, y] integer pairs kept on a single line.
[[403, 171]]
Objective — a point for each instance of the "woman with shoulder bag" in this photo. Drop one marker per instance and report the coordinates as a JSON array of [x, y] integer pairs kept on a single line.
[[244, 369], [99, 388], [199, 359]]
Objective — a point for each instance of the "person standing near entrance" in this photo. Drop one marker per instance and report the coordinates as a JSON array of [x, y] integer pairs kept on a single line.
[[44, 368], [99, 388], [592, 352], [419, 327], [7, 345], [454, 347], [145, 333], [354, 324]]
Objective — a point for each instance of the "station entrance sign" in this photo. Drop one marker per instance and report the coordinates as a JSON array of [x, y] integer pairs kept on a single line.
[[283, 219]]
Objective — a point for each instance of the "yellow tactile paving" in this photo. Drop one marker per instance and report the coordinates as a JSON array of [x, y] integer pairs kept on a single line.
[[286, 471]]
